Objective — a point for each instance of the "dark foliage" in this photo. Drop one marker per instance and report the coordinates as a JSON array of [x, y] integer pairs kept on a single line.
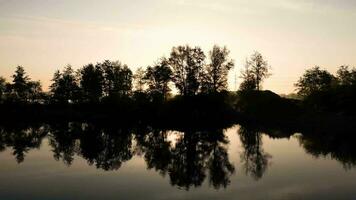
[[104, 91], [266, 106], [323, 92], [256, 70]]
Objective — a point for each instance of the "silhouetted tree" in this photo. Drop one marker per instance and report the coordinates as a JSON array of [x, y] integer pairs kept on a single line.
[[118, 78], [139, 80], [187, 66], [64, 88], [345, 76], [91, 82], [140, 97], [256, 70], [23, 89], [35, 92], [216, 72], [314, 80], [158, 78], [2, 88], [20, 85], [249, 81]]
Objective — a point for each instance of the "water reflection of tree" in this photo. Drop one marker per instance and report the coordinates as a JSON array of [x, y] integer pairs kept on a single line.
[[194, 155], [336, 146], [220, 167], [188, 159], [254, 160], [22, 139], [107, 148], [63, 141], [113, 147], [156, 148], [3, 134]]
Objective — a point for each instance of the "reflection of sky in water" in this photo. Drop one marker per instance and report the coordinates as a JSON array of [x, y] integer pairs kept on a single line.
[[291, 174]]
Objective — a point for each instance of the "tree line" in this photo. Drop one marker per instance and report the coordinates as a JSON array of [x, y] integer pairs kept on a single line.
[[188, 69], [317, 80], [322, 91]]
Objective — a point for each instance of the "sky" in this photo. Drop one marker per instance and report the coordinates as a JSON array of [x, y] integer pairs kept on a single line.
[[292, 35]]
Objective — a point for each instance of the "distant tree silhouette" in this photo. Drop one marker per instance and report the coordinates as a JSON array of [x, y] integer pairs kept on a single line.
[[216, 72], [117, 78], [321, 91], [345, 76], [91, 82], [187, 66], [22, 88], [139, 80], [256, 70], [314, 80], [140, 96], [158, 78], [20, 85], [249, 81], [36, 94], [2, 88], [109, 84], [64, 88]]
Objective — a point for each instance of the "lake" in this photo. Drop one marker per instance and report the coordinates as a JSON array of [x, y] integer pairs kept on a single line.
[[85, 161]]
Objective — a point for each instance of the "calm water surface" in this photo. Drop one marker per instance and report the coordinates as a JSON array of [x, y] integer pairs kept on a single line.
[[80, 161]]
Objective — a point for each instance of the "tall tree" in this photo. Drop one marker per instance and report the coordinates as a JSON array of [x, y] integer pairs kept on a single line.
[[346, 76], [91, 82], [64, 88], [117, 78], [35, 91], [20, 87], [124, 84], [249, 81], [256, 70], [216, 73], [139, 80], [314, 80], [158, 78], [2, 88], [187, 67]]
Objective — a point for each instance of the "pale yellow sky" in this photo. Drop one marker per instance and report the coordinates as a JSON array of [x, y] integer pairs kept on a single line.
[[45, 35]]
